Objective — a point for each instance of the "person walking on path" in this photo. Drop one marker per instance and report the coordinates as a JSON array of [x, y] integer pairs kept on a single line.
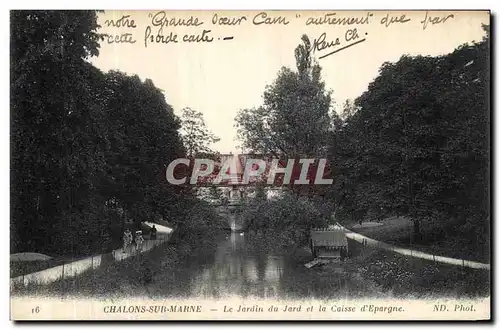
[[153, 232], [139, 241], [127, 240]]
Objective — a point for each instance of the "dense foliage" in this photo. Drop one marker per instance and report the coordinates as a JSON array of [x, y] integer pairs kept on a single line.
[[415, 143], [283, 222], [89, 149]]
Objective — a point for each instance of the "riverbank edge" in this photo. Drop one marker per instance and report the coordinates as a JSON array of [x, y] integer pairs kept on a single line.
[[18, 269], [137, 269]]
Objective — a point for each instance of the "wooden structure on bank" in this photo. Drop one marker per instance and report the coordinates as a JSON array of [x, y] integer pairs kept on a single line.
[[329, 243]]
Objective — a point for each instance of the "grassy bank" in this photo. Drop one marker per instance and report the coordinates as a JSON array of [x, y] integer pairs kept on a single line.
[[18, 268], [371, 272], [404, 276]]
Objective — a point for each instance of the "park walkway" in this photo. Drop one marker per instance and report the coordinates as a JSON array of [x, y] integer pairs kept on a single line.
[[75, 268], [413, 253]]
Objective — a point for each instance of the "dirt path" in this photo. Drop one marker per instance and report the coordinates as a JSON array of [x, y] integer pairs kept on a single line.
[[413, 253], [75, 268]]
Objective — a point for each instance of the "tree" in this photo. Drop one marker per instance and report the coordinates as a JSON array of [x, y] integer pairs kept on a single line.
[[196, 137], [55, 127], [294, 120], [88, 148], [418, 143], [143, 139], [348, 110]]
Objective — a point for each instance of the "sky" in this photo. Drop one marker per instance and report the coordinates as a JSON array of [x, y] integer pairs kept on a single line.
[[220, 77]]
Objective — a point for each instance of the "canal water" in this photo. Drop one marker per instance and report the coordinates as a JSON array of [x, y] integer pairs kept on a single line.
[[238, 267]]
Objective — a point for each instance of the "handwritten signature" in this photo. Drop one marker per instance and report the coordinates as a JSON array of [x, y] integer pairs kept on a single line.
[[322, 42]]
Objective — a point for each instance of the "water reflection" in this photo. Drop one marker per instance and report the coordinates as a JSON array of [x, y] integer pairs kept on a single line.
[[237, 267], [236, 271]]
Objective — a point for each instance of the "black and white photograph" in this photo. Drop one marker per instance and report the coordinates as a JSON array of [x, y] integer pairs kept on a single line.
[[319, 165]]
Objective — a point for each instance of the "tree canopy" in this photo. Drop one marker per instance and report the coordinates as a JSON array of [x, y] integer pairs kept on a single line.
[[418, 144], [89, 149], [295, 116], [195, 135]]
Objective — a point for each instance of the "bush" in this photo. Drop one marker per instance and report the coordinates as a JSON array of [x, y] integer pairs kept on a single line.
[[285, 221]]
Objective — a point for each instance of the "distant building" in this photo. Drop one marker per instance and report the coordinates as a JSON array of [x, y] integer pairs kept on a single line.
[[234, 192], [232, 187]]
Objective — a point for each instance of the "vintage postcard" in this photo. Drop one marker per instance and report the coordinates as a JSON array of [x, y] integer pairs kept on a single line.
[[250, 165]]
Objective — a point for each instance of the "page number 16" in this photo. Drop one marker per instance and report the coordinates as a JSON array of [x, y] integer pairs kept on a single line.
[[35, 310]]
